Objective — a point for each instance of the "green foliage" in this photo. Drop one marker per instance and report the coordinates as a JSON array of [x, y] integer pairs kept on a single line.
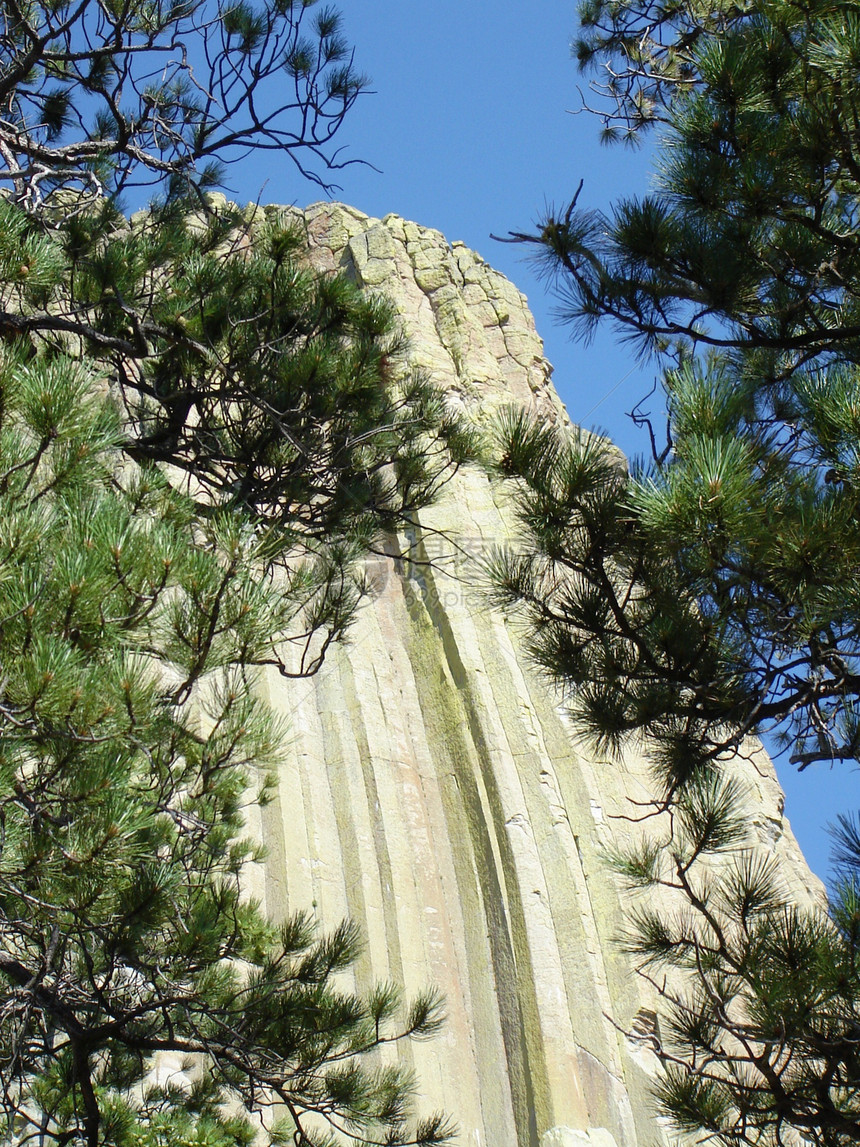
[[201, 438], [741, 537], [757, 1033], [131, 739], [608, 615], [282, 395], [714, 592]]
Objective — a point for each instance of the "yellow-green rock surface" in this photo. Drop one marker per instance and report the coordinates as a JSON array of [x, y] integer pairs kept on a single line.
[[433, 791]]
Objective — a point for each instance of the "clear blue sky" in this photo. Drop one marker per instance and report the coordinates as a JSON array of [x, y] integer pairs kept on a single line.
[[472, 132]]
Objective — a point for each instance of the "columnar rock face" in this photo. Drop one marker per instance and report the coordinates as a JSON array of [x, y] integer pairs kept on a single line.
[[433, 791]]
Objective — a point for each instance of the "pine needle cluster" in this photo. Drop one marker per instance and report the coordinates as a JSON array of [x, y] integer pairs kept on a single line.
[[757, 1034]]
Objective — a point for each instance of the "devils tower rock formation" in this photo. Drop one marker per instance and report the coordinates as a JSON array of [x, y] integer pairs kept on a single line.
[[434, 792]]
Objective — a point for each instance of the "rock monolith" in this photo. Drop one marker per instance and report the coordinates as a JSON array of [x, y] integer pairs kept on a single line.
[[433, 790]]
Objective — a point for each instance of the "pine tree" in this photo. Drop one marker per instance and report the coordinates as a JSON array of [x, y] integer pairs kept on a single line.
[[105, 98], [200, 440], [741, 274], [132, 737], [757, 1032], [713, 593]]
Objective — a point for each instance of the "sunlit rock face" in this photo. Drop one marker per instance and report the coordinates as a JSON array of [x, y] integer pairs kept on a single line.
[[433, 791]]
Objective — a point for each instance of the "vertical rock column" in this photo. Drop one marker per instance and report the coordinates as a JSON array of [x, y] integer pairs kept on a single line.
[[433, 792]]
